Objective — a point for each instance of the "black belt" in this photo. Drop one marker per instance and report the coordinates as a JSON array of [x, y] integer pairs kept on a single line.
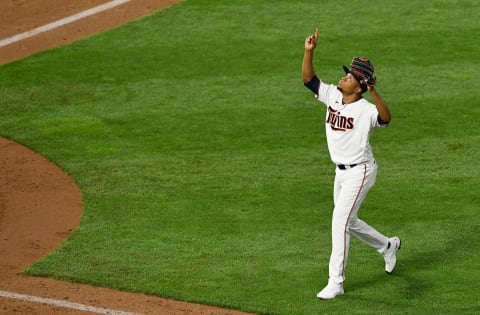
[[344, 167]]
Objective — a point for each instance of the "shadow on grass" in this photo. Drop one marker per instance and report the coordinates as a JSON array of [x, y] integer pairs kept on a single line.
[[414, 264]]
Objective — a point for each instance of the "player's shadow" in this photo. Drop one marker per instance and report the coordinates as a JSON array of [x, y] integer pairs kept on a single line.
[[410, 266]]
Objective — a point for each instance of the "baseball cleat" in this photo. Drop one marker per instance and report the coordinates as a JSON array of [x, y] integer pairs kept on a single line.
[[330, 291], [390, 255]]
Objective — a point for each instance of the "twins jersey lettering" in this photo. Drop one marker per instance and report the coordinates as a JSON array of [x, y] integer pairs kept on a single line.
[[348, 126]]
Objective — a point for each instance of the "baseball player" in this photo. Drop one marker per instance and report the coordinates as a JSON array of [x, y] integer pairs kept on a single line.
[[350, 121]]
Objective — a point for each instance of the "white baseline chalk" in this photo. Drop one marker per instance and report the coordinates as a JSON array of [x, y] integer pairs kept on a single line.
[[67, 20], [17, 38], [63, 304]]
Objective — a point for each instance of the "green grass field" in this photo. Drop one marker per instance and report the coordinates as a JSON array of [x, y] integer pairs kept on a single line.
[[203, 164]]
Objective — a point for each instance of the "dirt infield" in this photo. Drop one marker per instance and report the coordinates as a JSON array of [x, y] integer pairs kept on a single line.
[[39, 204]]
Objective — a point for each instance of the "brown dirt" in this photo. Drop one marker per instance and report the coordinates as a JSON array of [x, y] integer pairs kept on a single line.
[[39, 204]]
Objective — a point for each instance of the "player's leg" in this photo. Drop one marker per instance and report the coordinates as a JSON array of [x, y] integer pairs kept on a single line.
[[340, 233], [335, 281], [358, 228], [388, 247], [347, 188], [368, 235]]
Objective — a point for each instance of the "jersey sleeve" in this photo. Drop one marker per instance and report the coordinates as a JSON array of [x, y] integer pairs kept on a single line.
[[328, 94], [377, 122]]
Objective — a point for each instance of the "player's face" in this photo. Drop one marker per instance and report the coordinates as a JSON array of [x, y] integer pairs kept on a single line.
[[348, 84]]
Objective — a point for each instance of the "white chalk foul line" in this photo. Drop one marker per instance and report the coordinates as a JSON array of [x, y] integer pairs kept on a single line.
[[67, 20], [16, 38], [63, 304]]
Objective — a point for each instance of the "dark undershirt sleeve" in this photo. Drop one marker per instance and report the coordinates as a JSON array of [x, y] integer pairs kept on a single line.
[[313, 84], [380, 121]]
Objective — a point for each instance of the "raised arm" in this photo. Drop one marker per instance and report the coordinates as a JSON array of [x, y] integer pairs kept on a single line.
[[382, 107], [307, 66]]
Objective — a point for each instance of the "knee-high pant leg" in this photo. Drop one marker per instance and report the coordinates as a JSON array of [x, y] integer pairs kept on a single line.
[[350, 189]]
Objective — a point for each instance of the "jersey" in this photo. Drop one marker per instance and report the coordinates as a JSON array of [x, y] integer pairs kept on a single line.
[[348, 127]]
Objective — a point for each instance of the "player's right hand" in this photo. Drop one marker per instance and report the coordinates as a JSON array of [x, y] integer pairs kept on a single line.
[[311, 41]]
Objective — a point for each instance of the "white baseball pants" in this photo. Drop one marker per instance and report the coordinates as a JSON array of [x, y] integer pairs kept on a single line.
[[350, 189]]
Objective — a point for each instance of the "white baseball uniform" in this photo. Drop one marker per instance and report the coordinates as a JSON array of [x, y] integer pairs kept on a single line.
[[348, 129]]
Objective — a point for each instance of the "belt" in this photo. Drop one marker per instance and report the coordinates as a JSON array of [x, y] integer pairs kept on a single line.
[[346, 167]]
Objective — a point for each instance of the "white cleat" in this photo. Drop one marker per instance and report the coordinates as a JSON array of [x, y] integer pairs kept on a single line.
[[390, 255], [330, 291]]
